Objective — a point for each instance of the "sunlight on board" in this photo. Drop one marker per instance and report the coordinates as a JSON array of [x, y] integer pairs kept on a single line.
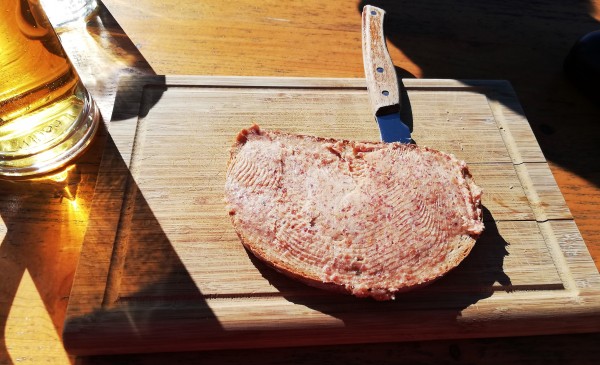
[[28, 319]]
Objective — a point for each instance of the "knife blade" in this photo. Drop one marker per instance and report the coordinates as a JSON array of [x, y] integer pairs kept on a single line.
[[382, 82]]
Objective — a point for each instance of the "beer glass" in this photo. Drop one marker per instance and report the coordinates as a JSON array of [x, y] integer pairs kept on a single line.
[[47, 116]]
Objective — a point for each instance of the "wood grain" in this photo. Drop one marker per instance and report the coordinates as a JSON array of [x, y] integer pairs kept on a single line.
[[163, 270], [523, 43]]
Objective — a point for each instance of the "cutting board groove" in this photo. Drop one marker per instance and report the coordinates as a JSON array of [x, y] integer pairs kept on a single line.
[[162, 269]]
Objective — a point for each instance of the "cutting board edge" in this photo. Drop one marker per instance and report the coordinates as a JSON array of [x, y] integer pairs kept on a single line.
[[101, 341]]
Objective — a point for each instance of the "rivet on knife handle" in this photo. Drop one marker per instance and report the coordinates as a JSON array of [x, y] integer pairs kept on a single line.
[[379, 69]]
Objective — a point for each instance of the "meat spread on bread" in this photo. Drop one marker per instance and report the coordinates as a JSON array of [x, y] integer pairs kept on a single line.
[[368, 218]]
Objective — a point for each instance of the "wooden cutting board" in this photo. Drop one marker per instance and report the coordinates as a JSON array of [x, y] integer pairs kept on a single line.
[[162, 269]]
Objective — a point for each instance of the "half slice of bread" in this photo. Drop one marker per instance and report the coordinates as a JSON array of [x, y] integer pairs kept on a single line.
[[368, 218]]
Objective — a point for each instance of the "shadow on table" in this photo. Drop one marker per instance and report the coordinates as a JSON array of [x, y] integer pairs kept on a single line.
[[522, 42]]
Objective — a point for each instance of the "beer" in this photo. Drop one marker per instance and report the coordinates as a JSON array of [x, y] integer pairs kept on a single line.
[[47, 116]]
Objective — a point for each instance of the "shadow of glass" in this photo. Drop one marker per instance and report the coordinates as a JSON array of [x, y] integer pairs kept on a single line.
[[102, 53], [502, 40], [136, 67], [126, 52], [105, 28]]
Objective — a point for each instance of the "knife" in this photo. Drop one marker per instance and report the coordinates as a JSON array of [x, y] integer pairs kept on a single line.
[[382, 82]]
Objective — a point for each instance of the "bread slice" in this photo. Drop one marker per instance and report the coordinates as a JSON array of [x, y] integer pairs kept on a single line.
[[368, 218]]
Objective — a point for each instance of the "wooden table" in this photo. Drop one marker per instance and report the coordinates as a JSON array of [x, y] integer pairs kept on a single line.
[[43, 222]]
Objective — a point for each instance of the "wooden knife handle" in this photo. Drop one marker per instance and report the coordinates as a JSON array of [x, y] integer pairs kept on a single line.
[[380, 73]]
